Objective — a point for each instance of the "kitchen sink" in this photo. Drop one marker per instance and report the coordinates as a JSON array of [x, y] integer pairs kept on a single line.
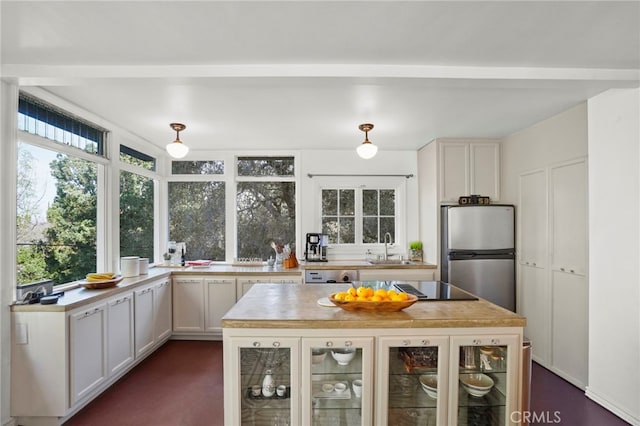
[[388, 262]]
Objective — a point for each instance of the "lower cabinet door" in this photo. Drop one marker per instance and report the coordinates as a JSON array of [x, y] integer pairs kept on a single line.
[[120, 333], [220, 296], [412, 380], [144, 326], [87, 340], [337, 380], [163, 310], [483, 379], [264, 386]]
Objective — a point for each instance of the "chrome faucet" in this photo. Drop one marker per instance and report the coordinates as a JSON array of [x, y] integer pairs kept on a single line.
[[386, 253]]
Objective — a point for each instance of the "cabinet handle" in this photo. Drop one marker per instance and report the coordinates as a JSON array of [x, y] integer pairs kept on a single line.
[[276, 344], [425, 342], [348, 343], [495, 341], [477, 341], [329, 344], [527, 263], [572, 271], [534, 263], [406, 342], [91, 312], [256, 344], [562, 269]]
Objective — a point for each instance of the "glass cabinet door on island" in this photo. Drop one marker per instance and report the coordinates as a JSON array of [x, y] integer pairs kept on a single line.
[[412, 381], [267, 386], [337, 385], [484, 380]]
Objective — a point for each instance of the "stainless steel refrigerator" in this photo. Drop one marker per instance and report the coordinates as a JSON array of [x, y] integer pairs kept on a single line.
[[478, 251]]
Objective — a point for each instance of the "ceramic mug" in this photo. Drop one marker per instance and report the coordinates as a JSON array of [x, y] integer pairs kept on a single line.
[[281, 390], [357, 387], [256, 390]]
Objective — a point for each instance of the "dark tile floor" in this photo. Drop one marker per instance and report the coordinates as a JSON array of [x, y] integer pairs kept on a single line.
[[181, 385]]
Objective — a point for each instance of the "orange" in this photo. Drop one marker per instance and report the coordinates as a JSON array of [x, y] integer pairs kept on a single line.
[[352, 292], [361, 291], [340, 296], [403, 296], [381, 293], [369, 292], [349, 298], [376, 298]]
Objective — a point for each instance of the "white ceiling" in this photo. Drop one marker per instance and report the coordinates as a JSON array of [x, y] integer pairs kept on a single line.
[[304, 74]]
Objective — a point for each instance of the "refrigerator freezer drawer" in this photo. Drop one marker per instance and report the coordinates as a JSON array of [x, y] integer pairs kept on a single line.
[[491, 279]]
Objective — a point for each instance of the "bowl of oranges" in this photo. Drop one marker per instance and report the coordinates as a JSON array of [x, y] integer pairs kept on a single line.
[[373, 300]]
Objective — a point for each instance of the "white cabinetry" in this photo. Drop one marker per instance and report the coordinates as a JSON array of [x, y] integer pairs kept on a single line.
[[188, 305], [533, 285], [200, 302], [389, 362], [144, 319], [246, 282], [152, 315], [63, 359], [569, 283], [553, 265], [449, 169], [468, 167], [120, 341], [87, 346], [162, 310], [220, 296]]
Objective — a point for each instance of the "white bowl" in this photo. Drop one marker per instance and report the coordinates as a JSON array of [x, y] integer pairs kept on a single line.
[[317, 356], [328, 387], [476, 384], [343, 356], [429, 383], [340, 387]]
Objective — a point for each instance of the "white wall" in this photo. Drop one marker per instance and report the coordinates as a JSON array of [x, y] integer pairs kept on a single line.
[[557, 139], [614, 252]]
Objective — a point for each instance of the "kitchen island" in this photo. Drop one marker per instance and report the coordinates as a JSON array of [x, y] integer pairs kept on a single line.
[[282, 331]]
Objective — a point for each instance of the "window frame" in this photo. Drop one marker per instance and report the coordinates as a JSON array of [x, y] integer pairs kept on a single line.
[[231, 179], [358, 249]]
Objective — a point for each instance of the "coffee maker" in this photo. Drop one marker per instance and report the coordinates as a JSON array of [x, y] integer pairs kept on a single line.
[[316, 247]]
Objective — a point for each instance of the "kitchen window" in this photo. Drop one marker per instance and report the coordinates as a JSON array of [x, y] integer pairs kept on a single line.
[[60, 179], [197, 217], [137, 192], [56, 215], [265, 204], [357, 215]]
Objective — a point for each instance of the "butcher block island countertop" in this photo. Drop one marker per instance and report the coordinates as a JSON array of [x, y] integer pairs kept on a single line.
[[294, 306]]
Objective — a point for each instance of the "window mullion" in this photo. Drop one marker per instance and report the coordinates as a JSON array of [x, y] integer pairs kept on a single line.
[[358, 216]]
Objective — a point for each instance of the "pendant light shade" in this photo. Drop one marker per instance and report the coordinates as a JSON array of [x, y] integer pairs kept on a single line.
[[177, 149], [366, 149]]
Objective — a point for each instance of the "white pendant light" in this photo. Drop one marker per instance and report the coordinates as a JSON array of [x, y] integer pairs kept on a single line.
[[177, 149], [366, 149]]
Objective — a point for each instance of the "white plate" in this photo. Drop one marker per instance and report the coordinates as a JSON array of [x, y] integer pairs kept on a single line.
[[324, 301]]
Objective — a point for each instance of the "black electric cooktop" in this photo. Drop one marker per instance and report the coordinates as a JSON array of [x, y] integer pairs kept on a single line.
[[434, 291]]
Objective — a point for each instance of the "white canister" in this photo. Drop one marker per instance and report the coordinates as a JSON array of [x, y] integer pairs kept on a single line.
[[144, 265], [130, 266]]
